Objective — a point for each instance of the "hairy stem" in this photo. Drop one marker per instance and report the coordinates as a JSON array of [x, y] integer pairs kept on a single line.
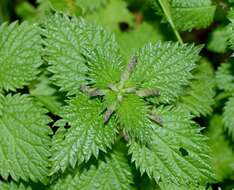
[[148, 92], [110, 110], [153, 117], [129, 70], [91, 91]]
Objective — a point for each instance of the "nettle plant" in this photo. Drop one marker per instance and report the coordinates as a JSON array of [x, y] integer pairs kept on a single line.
[[119, 116], [81, 108]]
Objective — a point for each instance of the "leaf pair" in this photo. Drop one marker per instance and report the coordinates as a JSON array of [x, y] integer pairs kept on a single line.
[[25, 141]]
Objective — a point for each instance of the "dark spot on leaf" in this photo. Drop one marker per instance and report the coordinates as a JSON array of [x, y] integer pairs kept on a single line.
[[123, 26], [183, 152], [67, 126]]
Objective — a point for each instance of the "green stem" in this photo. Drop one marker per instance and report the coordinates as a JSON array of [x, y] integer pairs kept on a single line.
[[166, 9], [127, 73], [110, 110]]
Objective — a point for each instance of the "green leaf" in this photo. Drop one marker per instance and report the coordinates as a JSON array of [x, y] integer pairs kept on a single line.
[[222, 154], [27, 11], [218, 41], [67, 181], [45, 93], [228, 117], [91, 5], [65, 6], [86, 136], [81, 53], [63, 46], [103, 57], [144, 33], [20, 54], [132, 117], [24, 138], [114, 173], [189, 14], [198, 97], [231, 28], [112, 15], [13, 186], [225, 77], [177, 154], [171, 186], [186, 15], [166, 67]]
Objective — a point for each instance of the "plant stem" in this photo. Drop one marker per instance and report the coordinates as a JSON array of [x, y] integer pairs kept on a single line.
[[127, 73], [166, 9]]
